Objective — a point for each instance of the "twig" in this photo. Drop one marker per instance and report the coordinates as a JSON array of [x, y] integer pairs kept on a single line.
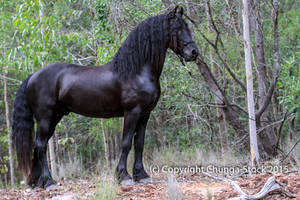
[[280, 128], [291, 150], [11, 79], [214, 45], [259, 131]]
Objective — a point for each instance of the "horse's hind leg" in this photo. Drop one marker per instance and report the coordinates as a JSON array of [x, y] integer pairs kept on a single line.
[[40, 176]]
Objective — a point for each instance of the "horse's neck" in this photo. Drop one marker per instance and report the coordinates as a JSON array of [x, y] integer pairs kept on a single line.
[[157, 65]]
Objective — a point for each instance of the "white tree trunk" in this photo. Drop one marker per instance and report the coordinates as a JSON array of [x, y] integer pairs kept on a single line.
[[106, 143], [10, 146], [250, 97], [52, 157]]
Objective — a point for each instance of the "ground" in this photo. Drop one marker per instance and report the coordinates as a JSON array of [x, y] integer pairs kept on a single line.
[[196, 186]]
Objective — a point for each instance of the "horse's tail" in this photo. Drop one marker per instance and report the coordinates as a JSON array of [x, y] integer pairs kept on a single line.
[[22, 128]]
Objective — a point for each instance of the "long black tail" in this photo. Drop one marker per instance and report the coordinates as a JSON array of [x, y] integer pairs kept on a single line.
[[22, 128]]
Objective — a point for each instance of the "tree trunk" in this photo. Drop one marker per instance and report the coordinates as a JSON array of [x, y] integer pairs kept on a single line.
[[106, 143], [231, 114], [220, 114], [250, 96], [52, 157], [267, 136], [112, 144], [10, 145], [117, 145]]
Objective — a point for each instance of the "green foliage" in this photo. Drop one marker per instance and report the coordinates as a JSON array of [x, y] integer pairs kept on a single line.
[[289, 83]]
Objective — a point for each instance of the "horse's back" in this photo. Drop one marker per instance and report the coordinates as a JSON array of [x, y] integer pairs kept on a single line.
[[43, 86]]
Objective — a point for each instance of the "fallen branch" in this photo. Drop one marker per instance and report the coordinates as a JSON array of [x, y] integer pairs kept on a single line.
[[270, 186]]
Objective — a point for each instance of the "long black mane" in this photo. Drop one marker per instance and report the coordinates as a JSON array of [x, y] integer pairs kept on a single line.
[[147, 43]]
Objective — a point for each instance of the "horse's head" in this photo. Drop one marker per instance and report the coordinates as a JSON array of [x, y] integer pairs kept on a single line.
[[181, 41]]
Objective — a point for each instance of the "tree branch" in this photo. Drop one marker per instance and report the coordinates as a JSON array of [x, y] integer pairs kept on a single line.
[[215, 46]]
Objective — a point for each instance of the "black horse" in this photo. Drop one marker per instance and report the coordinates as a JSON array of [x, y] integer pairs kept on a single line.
[[126, 86]]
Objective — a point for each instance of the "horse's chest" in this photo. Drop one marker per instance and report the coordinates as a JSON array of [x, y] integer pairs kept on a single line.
[[143, 91]]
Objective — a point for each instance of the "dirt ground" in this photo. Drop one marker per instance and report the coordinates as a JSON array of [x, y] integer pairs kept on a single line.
[[195, 186]]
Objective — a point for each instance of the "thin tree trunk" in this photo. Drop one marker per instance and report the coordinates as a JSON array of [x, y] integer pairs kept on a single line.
[[267, 137], [231, 114], [112, 144], [250, 97], [58, 152], [117, 144], [106, 143], [52, 157], [5, 180], [41, 15], [220, 114], [10, 146]]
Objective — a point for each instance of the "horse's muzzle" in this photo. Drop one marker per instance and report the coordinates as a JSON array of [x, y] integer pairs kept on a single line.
[[190, 52]]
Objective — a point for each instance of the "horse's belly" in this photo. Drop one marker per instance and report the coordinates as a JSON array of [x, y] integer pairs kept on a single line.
[[103, 104]]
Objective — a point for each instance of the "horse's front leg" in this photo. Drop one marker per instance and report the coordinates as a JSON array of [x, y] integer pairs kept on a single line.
[[130, 122], [138, 170]]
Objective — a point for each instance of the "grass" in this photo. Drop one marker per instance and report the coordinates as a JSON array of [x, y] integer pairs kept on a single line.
[[107, 189], [195, 156], [71, 169]]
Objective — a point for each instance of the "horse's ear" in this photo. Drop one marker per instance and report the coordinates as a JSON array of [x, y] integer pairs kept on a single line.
[[180, 10], [172, 13]]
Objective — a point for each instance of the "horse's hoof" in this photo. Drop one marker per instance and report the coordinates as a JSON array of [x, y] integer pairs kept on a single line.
[[127, 182], [51, 187], [145, 180]]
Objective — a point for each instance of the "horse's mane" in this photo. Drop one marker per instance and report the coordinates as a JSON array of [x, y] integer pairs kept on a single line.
[[145, 44]]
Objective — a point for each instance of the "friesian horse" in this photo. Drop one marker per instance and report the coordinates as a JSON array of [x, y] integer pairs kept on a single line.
[[128, 86]]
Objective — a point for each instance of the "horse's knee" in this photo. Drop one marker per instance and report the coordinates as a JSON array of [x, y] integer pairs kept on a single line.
[[126, 145]]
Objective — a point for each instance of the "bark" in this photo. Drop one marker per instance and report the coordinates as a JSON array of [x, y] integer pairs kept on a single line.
[[250, 97], [52, 157], [117, 145], [112, 145], [58, 152], [106, 144], [10, 145], [263, 116], [230, 113], [220, 114]]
